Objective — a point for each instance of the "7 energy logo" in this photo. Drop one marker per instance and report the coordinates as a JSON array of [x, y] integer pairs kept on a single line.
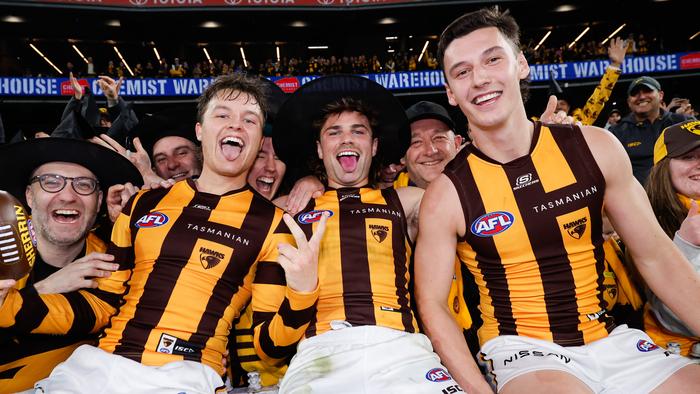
[[153, 219], [492, 223], [313, 216]]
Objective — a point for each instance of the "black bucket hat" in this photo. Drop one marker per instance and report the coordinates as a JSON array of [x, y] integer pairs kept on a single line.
[[22, 158], [294, 137]]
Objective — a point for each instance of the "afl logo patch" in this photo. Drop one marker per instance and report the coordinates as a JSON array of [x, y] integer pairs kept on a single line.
[[492, 223], [153, 219], [313, 216], [438, 375], [645, 346]]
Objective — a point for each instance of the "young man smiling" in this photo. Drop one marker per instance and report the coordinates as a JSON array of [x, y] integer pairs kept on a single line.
[[186, 256], [522, 205], [361, 328]]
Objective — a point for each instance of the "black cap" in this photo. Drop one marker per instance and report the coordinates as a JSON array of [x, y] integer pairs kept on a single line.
[[429, 110], [172, 122], [649, 82], [677, 140]]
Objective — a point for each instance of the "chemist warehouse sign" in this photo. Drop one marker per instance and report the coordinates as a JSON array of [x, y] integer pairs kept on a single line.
[[190, 87]]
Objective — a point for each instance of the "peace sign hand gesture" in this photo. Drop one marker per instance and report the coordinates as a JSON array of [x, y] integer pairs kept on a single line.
[[300, 264]]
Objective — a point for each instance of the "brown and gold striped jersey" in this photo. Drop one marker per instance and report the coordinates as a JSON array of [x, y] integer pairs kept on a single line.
[[533, 239], [26, 358], [187, 261], [363, 270]]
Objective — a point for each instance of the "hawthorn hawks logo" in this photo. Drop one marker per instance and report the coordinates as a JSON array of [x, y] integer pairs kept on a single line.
[[379, 233], [576, 228], [210, 258]]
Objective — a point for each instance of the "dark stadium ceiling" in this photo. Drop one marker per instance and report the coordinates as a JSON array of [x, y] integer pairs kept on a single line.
[[346, 31], [269, 25]]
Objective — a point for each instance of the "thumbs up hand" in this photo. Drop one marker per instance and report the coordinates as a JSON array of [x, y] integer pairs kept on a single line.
[[690, 228]]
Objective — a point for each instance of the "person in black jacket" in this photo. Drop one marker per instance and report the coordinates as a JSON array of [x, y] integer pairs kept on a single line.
[[83, 119], [639, 130]]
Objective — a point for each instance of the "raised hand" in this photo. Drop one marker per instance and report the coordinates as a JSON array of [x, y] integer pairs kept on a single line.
[[690, 228], [551, 115], [617, 51], [77, 89], [110, 88], [117, 197], [304, 189], [300, 264]]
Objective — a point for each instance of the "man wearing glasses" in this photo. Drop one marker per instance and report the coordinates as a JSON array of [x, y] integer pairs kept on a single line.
[[62, 181]]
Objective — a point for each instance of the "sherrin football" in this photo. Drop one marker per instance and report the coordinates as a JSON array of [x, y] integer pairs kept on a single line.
[[17, 240]]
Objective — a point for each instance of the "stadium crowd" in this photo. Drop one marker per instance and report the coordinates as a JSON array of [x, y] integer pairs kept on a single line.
[[332, 241], [334, 64]]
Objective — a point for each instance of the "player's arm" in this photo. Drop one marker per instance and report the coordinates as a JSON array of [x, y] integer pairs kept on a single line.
[[285, 291], [76, 312], [410, 201], [664, 268], [441, 220]]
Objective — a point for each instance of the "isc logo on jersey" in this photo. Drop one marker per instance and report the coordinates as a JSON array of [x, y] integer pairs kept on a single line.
[[313, 216], [492, 223], [153, 219], [438, 375]]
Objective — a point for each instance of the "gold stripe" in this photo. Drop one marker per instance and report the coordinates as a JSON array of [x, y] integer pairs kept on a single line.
[[552, 168], [330, 303]]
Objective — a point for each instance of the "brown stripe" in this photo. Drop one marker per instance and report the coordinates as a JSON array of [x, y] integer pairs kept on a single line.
[[259, 317], [550, 253], [83, 315], [244, 344], [270, 273], [491, 268], [32, 311], [295, 318], [113, 299], [357, 282], [248, 359], [162, 279], [398, 245], [255, 227], [308, 232], [584, 166], [144, 205], [124, 256], [269, 347], [10, 373], [244, 331], [470, 293], [17, 347]]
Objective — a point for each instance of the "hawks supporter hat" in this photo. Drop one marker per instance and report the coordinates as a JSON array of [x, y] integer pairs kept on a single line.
[[677, 140], [24, 157], [649, 82], [294, 136], [172, 122], [429, 110]]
